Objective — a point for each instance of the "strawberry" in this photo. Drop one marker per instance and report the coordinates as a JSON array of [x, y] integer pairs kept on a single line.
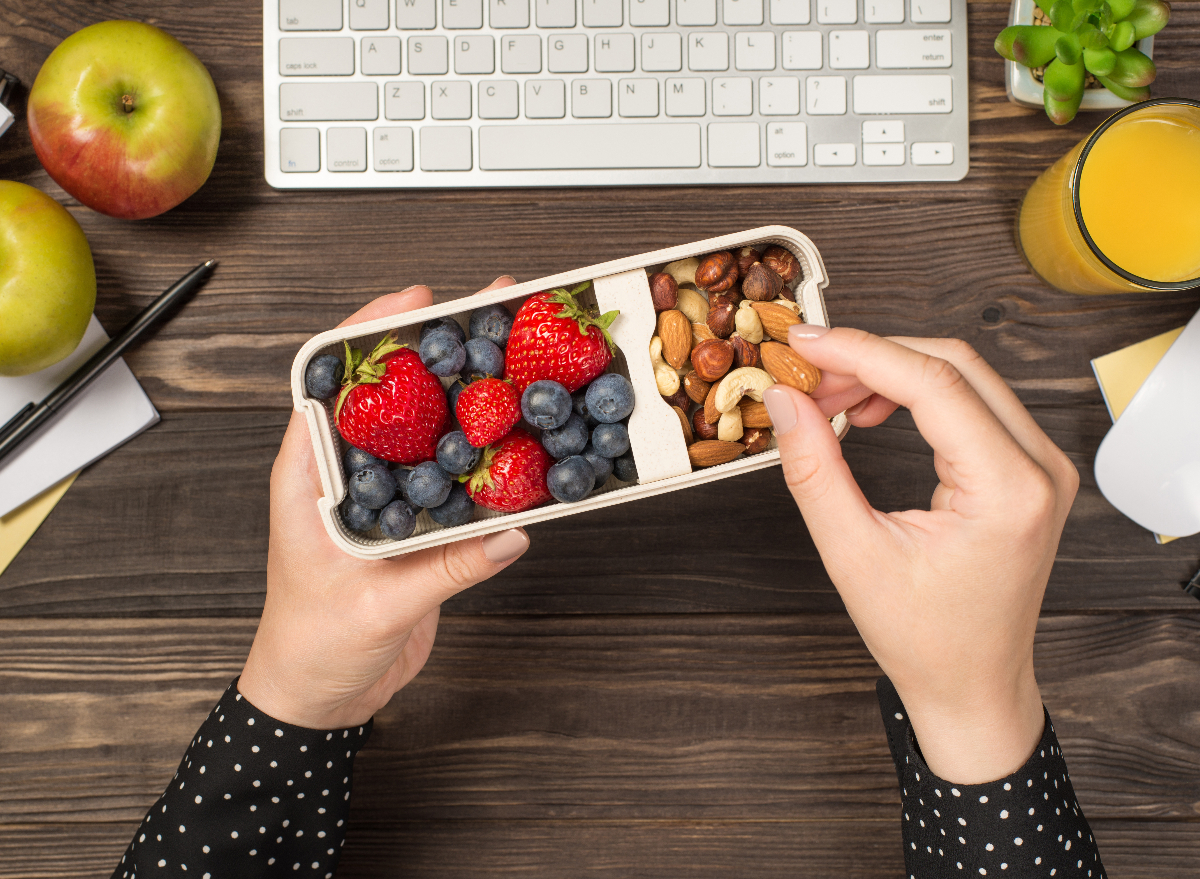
[[486, 410], [554, 337], [390, 404], [511, 475]]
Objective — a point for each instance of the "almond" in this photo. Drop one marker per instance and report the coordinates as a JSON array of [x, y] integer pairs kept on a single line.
[[709, 453], [701, 333], [789, 368], [754, 414], [711, 413], [676, 332], [696, 388], [685, 424], [775, 319]]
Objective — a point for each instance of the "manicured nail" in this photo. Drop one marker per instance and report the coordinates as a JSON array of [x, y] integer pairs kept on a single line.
[[858, 407], [504, 278], [806, 331], [505, 546], [413, 287], [781, 408]]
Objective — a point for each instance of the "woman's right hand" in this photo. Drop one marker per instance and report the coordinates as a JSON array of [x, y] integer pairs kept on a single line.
[[946, 599]]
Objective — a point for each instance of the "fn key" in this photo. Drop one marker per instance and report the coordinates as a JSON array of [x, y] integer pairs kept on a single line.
[[299, 150]]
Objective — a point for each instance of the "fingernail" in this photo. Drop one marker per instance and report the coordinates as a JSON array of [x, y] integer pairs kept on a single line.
[[505, 546], [781, 408], [504, 278], [806, 331], [413, 287], [858, 407]]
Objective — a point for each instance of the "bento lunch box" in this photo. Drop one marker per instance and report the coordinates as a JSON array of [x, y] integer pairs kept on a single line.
[[656, 440]]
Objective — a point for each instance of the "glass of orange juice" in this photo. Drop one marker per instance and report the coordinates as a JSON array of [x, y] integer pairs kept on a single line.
[[1121, 211]]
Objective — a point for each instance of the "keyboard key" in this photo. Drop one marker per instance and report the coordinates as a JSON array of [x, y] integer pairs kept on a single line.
[[612, 145], [709, 51], [567, 53], [346, 149], [834, 154], [545, 99], [316, 56], [733, 145], [416, 15], [684, 97], [462, 14], [450, 99], [614, 53], [521, 53], [883, 11], [732, 96], [591, 98], [446, 148], [882, 132], [649, 13], [662, 52], [637, 97], [933, 154], [838, 11], [602, 13], [735, 12], [791, 12], [779, 96], [328, 101], [299, 150], [883, 154], [428, 55], [904, 48], [929, 11], [393, 149], [510, 13], [380, 56], [698, 13], [825, 95], [404, 100], [849, 50], [310, 15], [474, 54], [898, 94], [555, 13], [787, 144], [754, 50], [498, 99], [369, 15], [802, 50]]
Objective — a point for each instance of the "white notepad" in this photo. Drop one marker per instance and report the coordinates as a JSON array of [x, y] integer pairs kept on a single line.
[[110, 411]]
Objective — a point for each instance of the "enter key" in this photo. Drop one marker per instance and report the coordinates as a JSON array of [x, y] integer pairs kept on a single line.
[[908, 49]]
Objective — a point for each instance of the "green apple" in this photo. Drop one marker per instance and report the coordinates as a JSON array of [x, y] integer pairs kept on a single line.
[[125, 118], [47, 280]]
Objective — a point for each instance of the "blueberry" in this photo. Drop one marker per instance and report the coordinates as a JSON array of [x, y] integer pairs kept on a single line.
[[355, 459], [455, 454], [601, 465], [492, 322], [624, 468], [454, 390], [428, 485], [610, 398], [571, 479], [442, 354], [357, 517], [402, 476], [484, 357], [546, 404], [456, 509], [579, 404], [562, 442], [443, 323], [397, 520], [610, 440], [373, 486], [324, 376]]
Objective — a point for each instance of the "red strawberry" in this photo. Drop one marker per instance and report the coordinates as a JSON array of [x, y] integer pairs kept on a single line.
[[390, 404], [486, 410], [553, 337], [511, 475]]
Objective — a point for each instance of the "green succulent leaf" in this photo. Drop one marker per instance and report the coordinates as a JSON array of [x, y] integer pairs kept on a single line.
[[1027, 44], [1099, 61], [1122, 36], [1090, 36], [1126, 94], [1148, 17], [1067, 49], [1120, 8], [1061, 14], [1061, 111], [1105, 19], [1063, 82], [1133, 69]]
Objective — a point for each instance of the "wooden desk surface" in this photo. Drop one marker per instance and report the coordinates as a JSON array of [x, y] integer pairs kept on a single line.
[[649, 692]]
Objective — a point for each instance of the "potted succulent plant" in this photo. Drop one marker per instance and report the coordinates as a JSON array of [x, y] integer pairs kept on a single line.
[[1078, 43]]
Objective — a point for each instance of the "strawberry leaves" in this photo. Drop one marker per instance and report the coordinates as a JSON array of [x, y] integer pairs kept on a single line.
[[368, 370]]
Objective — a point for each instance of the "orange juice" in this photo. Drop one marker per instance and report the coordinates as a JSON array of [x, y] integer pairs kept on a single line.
[[1121, 211]]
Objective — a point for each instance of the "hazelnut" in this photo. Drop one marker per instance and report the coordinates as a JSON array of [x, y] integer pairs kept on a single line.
[[731, 297], [756, 439], [787, 293], [761, 284], [679, 399], [701, 428], [717, 272], [695, 387], [782, 262], [712, 358], [746, 257], [721, 320], [745, 353], [663, 291]]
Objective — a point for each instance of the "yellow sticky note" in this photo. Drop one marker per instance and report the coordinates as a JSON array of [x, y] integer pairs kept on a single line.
[[1121, 373], [18, 526]]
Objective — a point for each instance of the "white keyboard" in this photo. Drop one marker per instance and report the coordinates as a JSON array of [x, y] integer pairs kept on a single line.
[[474, 93]]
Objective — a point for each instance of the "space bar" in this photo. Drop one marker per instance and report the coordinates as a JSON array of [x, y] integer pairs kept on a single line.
[[600, 146]]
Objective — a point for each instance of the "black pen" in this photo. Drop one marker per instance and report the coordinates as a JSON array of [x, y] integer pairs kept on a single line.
[[23, 425]]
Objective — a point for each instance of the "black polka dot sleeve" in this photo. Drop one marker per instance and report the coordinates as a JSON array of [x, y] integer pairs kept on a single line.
[[1026, 825], [253, 797]]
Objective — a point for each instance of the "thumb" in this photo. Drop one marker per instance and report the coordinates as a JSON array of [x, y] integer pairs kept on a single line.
[[440, 572]]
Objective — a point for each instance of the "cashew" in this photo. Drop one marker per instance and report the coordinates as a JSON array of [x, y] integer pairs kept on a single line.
[[788, 304], [692, 304], [729, 428], [665, 375], [683, 270], [748, 381], [748, 324]]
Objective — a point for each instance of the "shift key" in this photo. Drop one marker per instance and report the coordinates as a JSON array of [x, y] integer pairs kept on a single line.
[[328, 101]]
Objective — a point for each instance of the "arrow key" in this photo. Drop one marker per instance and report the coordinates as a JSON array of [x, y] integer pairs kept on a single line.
[[933, 154], [883, 154], [834, 154]]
